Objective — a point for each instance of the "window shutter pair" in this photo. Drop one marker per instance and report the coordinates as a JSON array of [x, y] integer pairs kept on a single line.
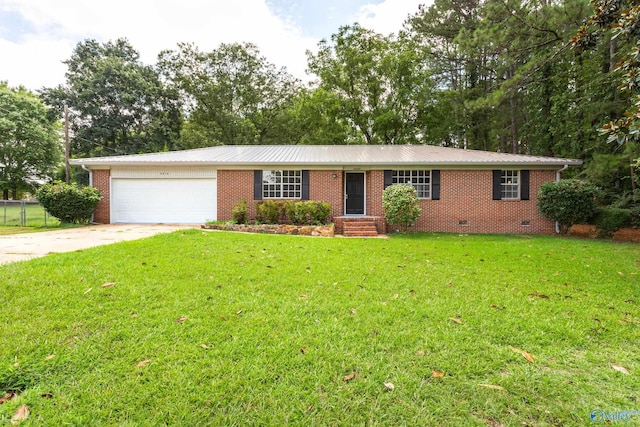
[[257, 185], [497, 184], [435, 182]]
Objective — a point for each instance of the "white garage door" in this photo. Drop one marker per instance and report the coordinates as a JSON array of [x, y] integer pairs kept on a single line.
[[164, 200]]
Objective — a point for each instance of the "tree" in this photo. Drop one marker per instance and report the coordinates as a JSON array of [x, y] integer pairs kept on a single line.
[[567, 202], [233, 95], [117, 104], [30, 143], [379, 83], [400, 205]]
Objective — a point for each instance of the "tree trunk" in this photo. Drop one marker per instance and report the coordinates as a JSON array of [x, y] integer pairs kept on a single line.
[[5, 194]]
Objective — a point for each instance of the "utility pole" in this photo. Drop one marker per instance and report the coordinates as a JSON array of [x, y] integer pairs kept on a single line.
[[66, 143]]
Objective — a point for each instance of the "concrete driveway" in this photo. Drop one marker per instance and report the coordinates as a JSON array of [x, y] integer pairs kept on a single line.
[[21, 247]]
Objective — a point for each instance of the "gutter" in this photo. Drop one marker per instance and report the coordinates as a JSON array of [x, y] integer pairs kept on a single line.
[[558, 172]]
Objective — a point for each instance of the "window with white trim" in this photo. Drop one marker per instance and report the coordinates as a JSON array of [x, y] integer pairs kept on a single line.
[[418, 179], [282, 184], [510, 184]]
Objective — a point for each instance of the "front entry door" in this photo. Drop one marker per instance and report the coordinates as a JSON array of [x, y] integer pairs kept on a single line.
[[354, 193]]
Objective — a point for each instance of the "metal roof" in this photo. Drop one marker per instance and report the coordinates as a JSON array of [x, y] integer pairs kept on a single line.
[[375, 156]]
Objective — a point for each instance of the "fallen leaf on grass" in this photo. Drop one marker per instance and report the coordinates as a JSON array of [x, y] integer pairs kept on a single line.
[[536, 294], [353, 310], [494, 423], [303, 297], [7, 397], [524, 354], [47, 395], [491, 386], [303, 350], [143, 363], [456, 320], [620, 369], [420, 352], [349, 377], [20, 415], [389, 386], [206, 347], [108, 285], [437, 374], [181, 319], [88, 290], [50, 357]]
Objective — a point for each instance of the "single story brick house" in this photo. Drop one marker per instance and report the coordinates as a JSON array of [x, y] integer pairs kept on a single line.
[[460, 190]]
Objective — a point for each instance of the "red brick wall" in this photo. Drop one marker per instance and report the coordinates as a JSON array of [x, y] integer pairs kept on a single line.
[[465, 195], [233, 187], [101, 181]]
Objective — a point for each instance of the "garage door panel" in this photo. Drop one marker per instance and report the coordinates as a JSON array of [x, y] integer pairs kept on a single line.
[[180, 201]]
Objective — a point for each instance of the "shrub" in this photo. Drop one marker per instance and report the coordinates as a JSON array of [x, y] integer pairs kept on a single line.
[[271, 211], [306, 212], [609, 220], [240, 212], [635, 217], [400, 205], [69, 203], [568, 202], [309, 212]]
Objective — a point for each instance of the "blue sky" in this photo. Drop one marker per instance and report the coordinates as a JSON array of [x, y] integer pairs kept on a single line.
[[37, 35]]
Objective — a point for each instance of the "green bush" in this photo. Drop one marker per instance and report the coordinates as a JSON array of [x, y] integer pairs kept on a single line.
[[309, 212], [271, 211], [635, 217], [609, 220], [240, 212], [568, 202], [400, 205], [69, 203], [306, 212]]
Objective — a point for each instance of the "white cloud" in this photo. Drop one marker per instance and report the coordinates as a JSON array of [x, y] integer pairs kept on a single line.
[[33, 55]]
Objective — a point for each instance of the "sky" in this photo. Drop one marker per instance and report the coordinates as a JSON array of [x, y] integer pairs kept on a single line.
[[37, 35]]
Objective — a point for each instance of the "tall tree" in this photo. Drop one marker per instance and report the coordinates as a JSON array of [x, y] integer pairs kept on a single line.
[[117, 104], [379, 82], [233, 94], [30, 143]]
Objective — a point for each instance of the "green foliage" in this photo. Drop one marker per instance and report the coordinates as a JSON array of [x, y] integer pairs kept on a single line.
[[271, 211], [609, 220], [117, 105], [635, 217], [30, 145], [400, 205], [568, 202], [303, 212], [69, 203], [240, 212], [309, 212]]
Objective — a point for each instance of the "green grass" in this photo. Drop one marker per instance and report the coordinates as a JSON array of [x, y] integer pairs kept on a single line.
[[274, 324]]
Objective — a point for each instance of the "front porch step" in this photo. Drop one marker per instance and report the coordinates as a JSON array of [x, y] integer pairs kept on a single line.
[[360, 228]]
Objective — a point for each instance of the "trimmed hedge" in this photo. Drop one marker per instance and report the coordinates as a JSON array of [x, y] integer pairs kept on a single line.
[[568, 202], [307, 212], [400, 205], [69, 203]]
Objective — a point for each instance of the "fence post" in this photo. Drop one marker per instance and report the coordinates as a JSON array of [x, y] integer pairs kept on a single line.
[[23, 213]]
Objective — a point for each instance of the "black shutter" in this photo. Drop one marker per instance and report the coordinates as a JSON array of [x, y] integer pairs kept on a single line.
[[305, 185], [524, 185], [388, 178], [257, 185], [435, 185], [497, 185]]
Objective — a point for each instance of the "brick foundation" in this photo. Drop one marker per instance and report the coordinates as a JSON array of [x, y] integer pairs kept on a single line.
[[102, 181]]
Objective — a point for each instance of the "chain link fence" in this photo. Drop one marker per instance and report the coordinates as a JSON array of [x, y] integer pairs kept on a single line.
[[24, 213]]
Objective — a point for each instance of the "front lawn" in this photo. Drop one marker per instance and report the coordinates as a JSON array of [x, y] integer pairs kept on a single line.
[[215, 328]]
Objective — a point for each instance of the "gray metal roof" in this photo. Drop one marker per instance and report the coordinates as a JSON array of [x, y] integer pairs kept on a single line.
[[375, 156]]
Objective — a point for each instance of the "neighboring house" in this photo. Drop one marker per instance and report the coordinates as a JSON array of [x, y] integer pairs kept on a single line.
[[459, 190]]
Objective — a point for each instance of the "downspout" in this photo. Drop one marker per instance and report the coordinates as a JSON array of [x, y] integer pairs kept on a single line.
[[85, 168], [564, 168]]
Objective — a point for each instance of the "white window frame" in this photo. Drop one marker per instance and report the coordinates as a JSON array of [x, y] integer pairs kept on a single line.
[[419, 179], [281, 184], [510, 184]]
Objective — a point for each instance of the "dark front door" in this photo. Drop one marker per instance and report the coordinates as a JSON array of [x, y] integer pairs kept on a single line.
[[354, 193]]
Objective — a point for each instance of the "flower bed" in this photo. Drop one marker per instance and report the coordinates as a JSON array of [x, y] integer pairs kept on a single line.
[[303, 230], [592, 232]]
